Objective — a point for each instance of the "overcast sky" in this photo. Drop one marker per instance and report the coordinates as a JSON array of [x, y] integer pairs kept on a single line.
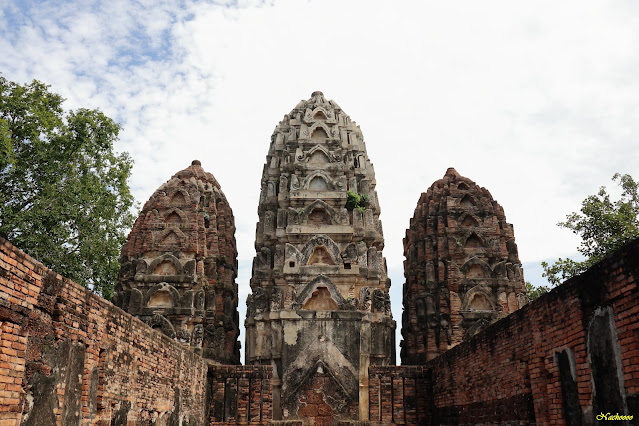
[[536, 101]]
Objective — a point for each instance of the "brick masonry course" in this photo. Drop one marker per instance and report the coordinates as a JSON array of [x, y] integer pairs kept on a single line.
[[536, 366], [69, 357]]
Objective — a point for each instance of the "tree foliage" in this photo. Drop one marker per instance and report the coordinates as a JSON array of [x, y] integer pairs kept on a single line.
[[534, 292], [603, 225], [64, 193], [356, 201]]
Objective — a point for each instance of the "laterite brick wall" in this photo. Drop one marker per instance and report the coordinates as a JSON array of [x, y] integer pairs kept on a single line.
[[540, 363], [398, 395], [567, 357], [69, 357], [241, 395]]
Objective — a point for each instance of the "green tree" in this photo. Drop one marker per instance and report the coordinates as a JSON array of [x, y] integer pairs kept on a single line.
[[534, 292], [64, 193], [603, 225]]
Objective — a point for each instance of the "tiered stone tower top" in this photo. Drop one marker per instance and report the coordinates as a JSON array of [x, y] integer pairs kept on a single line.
[[462, 268], [179, 264], [319, 311]]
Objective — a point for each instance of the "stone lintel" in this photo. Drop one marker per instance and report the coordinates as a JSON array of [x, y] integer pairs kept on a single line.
[[317, 195], [329, 270], [165, 278], [324, 229], [304, 315]]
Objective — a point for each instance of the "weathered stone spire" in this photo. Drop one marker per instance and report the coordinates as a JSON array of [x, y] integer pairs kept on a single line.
[[319, 311], [462, 268], [179, 264]]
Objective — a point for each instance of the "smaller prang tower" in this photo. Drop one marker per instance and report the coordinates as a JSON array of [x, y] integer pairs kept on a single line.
[[179, 264], [462, 269]]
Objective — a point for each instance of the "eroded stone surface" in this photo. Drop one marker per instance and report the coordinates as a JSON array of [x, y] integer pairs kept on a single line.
[[319, 311], [462, 268], [179, 264]]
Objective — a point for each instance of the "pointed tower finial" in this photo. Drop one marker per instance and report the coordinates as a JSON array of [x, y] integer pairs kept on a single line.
[[451, 172]]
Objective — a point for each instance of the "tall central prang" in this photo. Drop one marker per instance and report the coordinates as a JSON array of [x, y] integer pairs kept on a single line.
[[319, 311]]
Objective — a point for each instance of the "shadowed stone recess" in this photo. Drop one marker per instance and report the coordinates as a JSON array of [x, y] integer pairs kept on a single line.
[[319, 311], [462, 269], [179, 264]]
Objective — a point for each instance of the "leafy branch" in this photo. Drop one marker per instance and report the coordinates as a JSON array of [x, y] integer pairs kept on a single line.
[[64, 192], [356, 201], [603, 225]]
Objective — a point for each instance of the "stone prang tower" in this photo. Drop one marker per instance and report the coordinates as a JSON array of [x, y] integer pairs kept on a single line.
[[179, 264], [319, 311], [462, 268]]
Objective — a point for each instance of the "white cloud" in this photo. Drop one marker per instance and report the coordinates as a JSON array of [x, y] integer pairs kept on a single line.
[[537, 101]]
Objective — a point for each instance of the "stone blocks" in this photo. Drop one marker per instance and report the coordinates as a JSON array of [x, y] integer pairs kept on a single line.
[[179, 264], [319, 311], [462, 268]]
